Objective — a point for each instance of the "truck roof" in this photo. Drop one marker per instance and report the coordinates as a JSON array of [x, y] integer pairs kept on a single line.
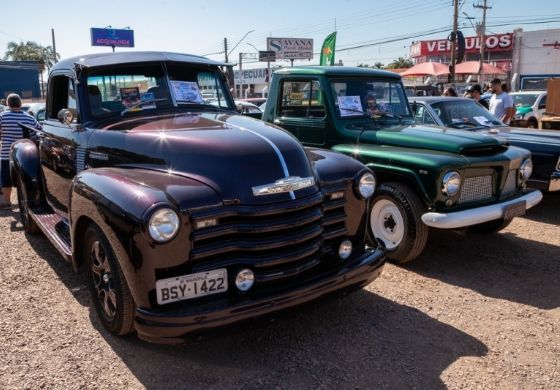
[[100, 59], [337, 71]]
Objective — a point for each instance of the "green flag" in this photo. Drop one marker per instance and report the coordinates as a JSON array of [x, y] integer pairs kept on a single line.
[[327, 51]]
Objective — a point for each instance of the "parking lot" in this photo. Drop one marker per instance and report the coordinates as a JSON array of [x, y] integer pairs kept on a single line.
[[471, 312]]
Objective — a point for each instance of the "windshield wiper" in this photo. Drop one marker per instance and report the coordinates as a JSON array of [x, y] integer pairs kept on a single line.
[[140, 104], [462, 125]]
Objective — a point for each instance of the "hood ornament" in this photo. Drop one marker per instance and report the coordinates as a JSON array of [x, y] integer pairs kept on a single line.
[[287, 184]]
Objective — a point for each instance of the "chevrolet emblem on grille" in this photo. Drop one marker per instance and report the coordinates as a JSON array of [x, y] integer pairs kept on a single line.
[[287, 184]]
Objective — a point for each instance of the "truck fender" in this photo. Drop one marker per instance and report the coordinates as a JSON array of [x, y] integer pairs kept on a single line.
[[25, 165], [120, 204], [395, 173]]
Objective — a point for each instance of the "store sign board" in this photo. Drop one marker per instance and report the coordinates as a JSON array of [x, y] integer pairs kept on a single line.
[[112, 37], [499, 42], [291, 48]]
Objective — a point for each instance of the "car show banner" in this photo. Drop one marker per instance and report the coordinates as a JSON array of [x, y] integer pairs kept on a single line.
[[291, 48], [327, 51]]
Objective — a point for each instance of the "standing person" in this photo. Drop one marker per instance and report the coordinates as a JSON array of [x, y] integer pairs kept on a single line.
[[501, 104], [10, 132], [450, 91], [475, 92]]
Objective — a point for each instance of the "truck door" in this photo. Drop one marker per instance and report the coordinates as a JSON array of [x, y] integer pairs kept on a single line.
[[59, 143], [301, 110]]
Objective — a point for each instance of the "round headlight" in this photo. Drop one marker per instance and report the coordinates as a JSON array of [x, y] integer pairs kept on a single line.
[[244, 279], [345, 249], [451, 183], [163, 225], [366, 186], [526, 169]]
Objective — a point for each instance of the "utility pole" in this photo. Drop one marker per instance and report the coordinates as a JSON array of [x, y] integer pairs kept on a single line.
[[482, 33], [240, 75], [454, 41], [54, 46]]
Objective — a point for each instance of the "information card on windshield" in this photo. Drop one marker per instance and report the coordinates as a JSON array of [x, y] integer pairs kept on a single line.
[[186, 92], [350, 105]]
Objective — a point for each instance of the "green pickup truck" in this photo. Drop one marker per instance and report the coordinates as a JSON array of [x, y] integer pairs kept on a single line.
[[428, 176]]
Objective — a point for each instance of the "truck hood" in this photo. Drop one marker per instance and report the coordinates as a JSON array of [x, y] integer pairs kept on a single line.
[[435, 138], [230, 153]]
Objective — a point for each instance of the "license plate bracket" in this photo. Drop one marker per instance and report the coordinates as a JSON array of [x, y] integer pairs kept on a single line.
[[191, 286], [515, 209]]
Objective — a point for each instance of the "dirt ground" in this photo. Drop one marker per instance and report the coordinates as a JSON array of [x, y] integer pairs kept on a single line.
[[474, 312]]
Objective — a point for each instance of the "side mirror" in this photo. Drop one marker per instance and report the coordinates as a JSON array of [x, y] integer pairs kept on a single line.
[[65, 116]]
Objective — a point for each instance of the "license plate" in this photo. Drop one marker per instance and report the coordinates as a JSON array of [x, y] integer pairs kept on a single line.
[[191, 286], [515, 210]]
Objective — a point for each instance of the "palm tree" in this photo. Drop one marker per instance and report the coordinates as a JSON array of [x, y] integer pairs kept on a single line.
[[32, 51], [400, 63]]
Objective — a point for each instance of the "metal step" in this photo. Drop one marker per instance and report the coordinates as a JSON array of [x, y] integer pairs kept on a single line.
[[55, 229]]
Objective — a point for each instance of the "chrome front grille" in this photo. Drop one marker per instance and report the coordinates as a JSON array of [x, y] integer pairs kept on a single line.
[[476, 188], [278, 241], [511, 183]]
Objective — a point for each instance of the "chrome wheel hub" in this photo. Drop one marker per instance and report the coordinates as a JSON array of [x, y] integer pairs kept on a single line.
[[103, 280]]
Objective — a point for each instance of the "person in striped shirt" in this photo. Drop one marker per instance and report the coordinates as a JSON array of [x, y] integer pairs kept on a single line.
[[10, 132]]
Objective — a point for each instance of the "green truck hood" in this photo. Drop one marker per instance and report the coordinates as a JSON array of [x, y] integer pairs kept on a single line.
[[435, 138]]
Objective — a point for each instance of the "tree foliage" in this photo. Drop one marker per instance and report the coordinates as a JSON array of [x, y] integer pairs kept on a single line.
[[400, 63], [31, 51]]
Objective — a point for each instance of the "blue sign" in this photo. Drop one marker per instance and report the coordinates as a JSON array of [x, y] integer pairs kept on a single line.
[[112, 37]]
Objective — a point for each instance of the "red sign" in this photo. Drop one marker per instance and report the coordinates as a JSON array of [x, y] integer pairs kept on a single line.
[[500, 42]]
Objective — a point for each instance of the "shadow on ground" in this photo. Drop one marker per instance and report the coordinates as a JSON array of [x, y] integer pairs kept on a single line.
[[359, 341], [501, 265]]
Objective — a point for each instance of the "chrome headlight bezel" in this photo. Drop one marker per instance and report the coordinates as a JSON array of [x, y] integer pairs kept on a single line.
[[451, 183], [526, 169], [163, 225], [366, 185]]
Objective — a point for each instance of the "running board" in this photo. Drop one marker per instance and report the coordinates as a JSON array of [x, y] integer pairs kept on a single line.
[[55, 229]]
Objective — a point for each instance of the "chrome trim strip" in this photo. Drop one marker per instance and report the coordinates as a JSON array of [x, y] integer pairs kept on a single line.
[[278, 153], [288, 184]]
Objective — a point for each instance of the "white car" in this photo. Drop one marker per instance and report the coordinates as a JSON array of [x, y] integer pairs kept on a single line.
[[529, 107]]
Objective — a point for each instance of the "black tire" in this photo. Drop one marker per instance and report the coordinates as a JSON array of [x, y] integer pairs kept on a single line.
[[532, 123], [110, 293], [29, 225], [490, 227], [395, 218]]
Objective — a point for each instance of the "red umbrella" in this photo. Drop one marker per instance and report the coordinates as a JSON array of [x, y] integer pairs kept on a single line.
[[427, 69], [473, 67]]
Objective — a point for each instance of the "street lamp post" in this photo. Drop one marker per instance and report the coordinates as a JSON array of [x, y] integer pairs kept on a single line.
[[240, 54]]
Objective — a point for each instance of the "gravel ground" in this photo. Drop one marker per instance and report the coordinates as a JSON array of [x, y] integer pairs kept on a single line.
[[473, 312]]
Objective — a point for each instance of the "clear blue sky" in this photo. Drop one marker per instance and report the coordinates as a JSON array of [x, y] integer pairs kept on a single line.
[[199, 27]]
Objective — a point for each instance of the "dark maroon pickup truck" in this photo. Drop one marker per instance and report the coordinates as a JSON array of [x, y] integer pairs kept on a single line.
[[185, 214]]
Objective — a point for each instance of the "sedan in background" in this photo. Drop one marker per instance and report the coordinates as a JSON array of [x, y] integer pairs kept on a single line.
[[467, 114]]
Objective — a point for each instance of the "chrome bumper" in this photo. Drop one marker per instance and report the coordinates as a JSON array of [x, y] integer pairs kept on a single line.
[[478, 215]]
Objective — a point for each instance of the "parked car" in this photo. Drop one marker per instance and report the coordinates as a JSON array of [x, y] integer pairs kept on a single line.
[[187, 216], [248, 109], [529, 107], [466, 114], [38, 111], [429, 177]]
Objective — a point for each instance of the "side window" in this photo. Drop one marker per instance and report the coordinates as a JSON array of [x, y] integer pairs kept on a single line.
[[428, 118], [62, 95], [419, 115], [542, 104], [302, 99]]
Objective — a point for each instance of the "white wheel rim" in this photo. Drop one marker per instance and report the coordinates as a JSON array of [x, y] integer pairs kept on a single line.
[[387, 223]]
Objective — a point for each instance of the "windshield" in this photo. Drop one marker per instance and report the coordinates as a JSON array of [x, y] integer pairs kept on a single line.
[[460, 114], [147, 88], [358, 97], [523, 99]]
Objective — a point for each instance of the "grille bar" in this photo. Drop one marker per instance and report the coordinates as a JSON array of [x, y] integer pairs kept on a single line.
[[477, 188], [278, 240]]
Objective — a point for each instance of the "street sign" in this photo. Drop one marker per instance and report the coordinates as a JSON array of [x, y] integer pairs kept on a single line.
[[291, 48], [112, 37], [265, 56]]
